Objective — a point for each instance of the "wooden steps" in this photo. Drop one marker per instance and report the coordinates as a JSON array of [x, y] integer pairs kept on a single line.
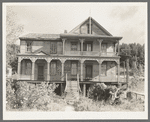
[[72, 89]]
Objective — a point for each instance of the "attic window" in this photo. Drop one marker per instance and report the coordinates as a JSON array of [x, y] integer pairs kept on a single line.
[[88, 28], [29, 46]]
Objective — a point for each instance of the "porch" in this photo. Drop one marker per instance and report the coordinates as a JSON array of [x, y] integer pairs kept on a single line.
[[55, 70]]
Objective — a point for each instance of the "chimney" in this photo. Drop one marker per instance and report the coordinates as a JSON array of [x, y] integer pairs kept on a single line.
[[65, 31]]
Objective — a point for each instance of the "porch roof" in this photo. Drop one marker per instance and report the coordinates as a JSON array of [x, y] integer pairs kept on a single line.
[[40, 36]]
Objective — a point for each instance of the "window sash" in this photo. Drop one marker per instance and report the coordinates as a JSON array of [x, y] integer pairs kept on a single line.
[[29, 46], [73, 46], [104, 48], [74, 68], [53, 47]]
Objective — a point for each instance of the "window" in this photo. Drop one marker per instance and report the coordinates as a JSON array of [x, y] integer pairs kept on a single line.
[[29, 46], [53, 68], [53, 48], [104, 69], [104, 48], [87, 46], [73, 46], [74, 68]]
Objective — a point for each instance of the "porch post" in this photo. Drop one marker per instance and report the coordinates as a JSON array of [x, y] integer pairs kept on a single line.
[[118, 71], [82, 40], [82, 61], [84, 90], [115, 47], [48, 69], [99, 70], [19, 63], [118, 48], [62, 72], [33, 65], [64, 46], [100, 46]]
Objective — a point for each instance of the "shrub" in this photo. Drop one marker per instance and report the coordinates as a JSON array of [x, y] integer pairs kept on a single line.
[[10, 95], [40, 97], [98, 92]]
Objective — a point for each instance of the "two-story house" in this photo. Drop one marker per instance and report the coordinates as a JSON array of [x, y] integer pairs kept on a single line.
[[88, 50]]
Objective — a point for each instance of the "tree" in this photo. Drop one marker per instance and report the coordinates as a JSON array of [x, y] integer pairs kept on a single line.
[[13, 31]]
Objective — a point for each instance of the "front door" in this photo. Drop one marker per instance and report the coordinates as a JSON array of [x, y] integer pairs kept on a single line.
[[88, 71], [40, 73]]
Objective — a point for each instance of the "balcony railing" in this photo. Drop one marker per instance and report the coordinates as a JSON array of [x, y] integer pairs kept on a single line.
[[89, 53], [108, 54]]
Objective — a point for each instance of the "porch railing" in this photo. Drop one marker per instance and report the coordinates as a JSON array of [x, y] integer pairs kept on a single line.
[[25, 77]]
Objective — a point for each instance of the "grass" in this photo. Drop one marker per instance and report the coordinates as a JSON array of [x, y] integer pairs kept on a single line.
[[86, 104]]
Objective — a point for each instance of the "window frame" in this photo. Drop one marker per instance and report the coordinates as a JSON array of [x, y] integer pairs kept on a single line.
[[53, 49], [29, 47], [86, 44], [76, 46]]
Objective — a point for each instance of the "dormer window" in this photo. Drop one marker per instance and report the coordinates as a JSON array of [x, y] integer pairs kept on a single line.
[[29, 46]]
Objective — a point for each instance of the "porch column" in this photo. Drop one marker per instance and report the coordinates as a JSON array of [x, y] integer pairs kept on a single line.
[[48, 69], [118, 48], [19, 63], [62, 70], [100, 70], [82, 40], [100, 46], [82, 61], [118, 71], [64, 46], [115, 47], [33, 65]]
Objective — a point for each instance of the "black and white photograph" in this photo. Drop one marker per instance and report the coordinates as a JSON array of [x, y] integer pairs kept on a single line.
[[84, 60]]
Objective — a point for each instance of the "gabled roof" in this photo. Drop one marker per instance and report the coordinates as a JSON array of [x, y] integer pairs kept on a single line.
[[94, 21], [40, 36]]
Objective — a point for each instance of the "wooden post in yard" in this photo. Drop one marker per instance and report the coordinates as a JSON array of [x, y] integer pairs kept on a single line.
[[127, 69]]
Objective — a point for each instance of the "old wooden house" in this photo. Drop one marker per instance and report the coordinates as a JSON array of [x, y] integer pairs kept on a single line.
[[87, 54]]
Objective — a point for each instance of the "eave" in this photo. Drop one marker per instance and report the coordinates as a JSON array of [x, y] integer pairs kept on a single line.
[[87, 36]]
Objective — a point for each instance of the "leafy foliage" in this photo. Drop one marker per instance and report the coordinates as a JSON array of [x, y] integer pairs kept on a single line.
[[40, 97], [137, 53]]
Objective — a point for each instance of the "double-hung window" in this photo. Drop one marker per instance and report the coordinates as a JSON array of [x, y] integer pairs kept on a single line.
[[73, 46], [104, 48], [53, 47], [29, 46], [87, 46]]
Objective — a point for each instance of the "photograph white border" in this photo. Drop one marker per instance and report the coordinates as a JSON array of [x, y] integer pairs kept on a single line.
[[35, 115]]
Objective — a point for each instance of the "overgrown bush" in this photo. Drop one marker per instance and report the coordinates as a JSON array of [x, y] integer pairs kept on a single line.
[[40, 97], [99, 93], [10, 95]]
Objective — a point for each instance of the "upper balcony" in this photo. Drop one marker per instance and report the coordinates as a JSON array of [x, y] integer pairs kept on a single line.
[[90, 53]]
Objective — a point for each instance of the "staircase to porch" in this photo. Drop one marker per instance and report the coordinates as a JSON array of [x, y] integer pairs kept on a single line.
[[72, 89]]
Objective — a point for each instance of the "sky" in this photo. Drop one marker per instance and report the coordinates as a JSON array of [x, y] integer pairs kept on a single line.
[[128, 20]]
